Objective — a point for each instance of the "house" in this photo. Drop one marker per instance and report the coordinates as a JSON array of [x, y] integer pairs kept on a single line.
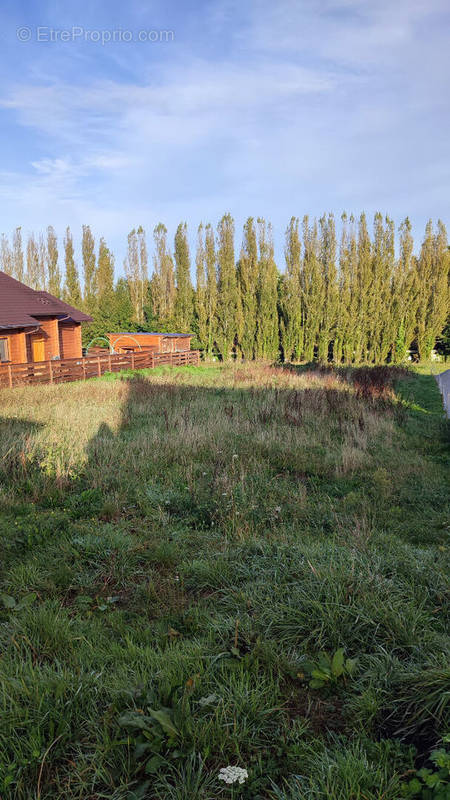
[[158, 342], [35, 326]]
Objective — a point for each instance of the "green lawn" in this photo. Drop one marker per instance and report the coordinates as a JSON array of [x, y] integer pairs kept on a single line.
[[223, 565]]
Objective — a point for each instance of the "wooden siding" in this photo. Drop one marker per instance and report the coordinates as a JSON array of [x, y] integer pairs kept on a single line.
[[52, 340], [16, 346], [70, 340], [123, 342]]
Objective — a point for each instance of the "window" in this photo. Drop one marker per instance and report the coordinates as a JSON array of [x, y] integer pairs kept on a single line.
[[4, 350]]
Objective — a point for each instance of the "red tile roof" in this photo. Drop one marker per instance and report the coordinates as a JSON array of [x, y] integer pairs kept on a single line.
[[20, 305]]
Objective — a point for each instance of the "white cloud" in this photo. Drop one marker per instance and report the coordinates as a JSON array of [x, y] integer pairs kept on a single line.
[[308, 105]]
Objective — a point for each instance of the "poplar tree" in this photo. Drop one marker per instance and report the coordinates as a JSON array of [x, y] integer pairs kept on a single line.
[[72, 291], [18, 254], [163, 279], [136, 271], [183, 307], [105, 273], [107, 314], [328, 311], [211, 287], [32, 276], [381, 325], [6, 256], [247, 278], [405, 294], [433, 292], [425, 278], [132, 272], [43, 262], [441, 287], [143, 271], [267, 295], [290, 300], [363, 289], [227, 288], [313, 288], [54, 273], [200, 306], [344, 341], [89, 268]]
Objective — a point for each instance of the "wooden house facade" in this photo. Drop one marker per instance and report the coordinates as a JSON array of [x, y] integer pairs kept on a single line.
[[35, 326], [157, 342]]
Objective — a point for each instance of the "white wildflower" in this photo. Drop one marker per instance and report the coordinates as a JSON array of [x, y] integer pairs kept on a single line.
[[233, 775], [235, 455]]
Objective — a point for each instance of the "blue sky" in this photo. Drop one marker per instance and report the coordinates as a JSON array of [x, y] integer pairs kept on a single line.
[[259, 108]]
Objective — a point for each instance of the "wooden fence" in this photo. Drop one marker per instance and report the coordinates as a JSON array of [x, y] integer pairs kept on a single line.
[[76, 369]]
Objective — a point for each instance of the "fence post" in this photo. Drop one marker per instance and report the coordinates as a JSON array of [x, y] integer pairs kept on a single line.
[[50, 369], [10, 376], [198, 357], [99, 367], [83, 362], [152, 364], [132, 359], [109, 361]]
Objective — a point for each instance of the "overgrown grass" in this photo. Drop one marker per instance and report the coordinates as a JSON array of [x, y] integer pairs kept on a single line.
[[178, 547]]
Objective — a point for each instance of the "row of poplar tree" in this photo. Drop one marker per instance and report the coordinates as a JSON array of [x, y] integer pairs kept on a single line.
[[366, 298]]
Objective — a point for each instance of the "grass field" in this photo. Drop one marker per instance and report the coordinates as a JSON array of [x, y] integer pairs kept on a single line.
[[225, 565]]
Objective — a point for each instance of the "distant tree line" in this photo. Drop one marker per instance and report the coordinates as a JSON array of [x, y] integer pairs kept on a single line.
[[365, 298]]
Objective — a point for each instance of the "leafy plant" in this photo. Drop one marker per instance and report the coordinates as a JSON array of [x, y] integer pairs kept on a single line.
[[329, 669], [156, 730], [17, 605], [152, 733], [431, 784]]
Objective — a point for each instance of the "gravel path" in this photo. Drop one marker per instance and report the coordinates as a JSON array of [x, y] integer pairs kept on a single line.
[[444, 385]]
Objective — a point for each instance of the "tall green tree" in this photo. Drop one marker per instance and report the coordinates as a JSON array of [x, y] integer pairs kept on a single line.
[[381, 324], [247, 277], [329, 311], [211, 287], [433, 292], [227, 298], [200, 306], [183, 306], [143, 271], [136, 271], [33, 272], [105, 273], [89, 269], [313, 288], [405, 294], [267, 295], [163, 287], [54, 273], [72, 291], [363, 289], [290, 297]]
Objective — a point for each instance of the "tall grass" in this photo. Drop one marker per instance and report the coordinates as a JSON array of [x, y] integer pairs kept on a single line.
[[186, 543]]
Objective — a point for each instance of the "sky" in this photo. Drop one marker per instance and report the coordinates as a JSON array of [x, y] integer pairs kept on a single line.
[[190, 109]]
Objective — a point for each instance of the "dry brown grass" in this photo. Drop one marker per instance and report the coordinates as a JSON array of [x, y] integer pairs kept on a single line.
[[112, 431]]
